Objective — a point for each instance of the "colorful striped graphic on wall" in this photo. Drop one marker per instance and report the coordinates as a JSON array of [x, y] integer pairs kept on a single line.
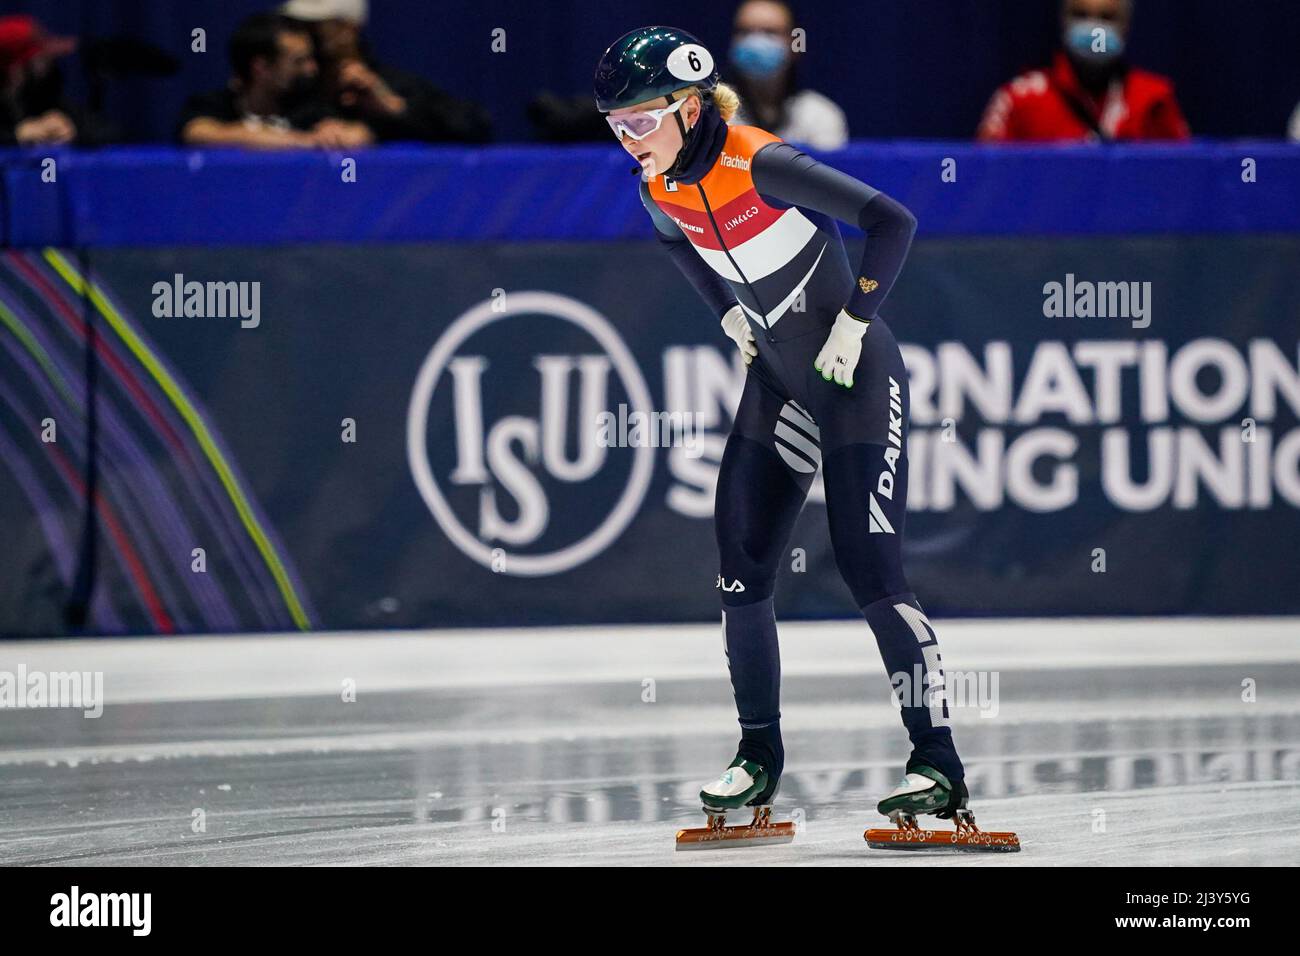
[[166, 484]]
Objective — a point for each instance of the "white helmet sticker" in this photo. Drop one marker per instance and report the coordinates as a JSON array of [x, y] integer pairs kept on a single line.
[[690, 62]]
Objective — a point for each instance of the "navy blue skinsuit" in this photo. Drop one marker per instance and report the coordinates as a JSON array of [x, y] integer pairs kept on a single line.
[[752, 220]]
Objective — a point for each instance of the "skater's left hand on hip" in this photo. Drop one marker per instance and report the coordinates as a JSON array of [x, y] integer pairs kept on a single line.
[[839, 356]]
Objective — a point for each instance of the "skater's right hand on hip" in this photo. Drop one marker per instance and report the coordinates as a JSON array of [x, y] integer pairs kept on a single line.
[[737, 328]]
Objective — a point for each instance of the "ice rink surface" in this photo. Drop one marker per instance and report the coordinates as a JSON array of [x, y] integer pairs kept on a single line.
[[1108, 742]]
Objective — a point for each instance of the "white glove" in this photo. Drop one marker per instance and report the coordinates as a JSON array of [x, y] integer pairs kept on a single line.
[[737, 328], [839, 356]]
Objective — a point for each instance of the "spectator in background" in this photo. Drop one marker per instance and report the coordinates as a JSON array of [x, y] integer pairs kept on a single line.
[[272, 99], [1091, 92], [393, 104], [762, 70], [33, 109], [1293, 128]]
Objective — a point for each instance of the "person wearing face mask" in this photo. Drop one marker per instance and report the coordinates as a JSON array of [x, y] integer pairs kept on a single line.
[[751, 222], [272, 100], [763, 73], [1091, 92]]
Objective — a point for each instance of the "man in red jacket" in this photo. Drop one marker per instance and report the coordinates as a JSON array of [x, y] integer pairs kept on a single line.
[[1090, 93]]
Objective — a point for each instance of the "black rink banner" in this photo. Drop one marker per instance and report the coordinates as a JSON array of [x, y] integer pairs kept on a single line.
[[414, 436]]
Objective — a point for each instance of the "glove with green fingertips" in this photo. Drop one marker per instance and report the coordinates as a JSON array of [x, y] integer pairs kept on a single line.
[[839, 356]]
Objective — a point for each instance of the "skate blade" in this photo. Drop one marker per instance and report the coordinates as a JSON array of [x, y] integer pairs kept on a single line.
[[717, 838], [980, 841]]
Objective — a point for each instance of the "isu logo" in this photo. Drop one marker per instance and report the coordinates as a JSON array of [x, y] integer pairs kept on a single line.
[[497, 488]]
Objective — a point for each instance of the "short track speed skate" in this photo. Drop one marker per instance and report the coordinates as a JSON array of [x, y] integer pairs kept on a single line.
[[743, 786], [926, 790]]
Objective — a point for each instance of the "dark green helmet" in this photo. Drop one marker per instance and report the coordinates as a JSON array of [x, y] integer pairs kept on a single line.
[[649, 63]]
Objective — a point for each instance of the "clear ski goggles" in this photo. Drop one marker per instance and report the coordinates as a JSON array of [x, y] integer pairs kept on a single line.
[[642, 124]]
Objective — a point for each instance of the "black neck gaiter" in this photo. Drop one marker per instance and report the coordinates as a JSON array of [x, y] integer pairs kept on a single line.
[[703, 145]]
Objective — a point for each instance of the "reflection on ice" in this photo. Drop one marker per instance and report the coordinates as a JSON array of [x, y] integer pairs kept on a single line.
[[1091, 760]]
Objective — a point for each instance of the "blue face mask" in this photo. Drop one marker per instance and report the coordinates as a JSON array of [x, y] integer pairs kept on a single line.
[[758, 54], [1082, 39]]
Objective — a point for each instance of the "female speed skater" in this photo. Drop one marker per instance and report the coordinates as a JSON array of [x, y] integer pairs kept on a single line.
[[751, 221]]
